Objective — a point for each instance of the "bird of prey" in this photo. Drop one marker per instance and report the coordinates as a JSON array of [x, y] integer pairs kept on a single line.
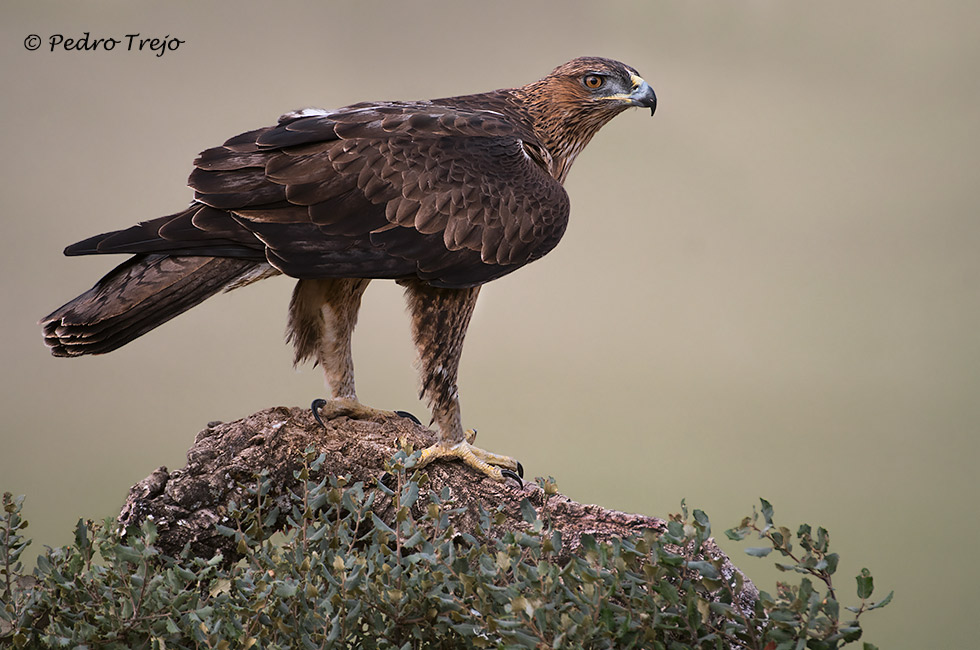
[[441, 196]]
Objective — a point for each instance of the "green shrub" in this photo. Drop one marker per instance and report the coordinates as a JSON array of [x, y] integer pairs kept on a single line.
[[339, 576]]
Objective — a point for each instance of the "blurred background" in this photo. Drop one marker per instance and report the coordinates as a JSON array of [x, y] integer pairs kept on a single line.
[[769, 289]]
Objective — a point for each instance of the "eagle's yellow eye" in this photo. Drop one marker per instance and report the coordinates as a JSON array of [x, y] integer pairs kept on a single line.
[[592, 81]]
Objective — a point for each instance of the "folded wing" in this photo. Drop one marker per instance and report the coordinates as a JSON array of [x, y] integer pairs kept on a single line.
[[447, 194]]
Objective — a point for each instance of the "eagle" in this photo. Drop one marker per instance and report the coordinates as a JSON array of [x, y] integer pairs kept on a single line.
[[441, 196]]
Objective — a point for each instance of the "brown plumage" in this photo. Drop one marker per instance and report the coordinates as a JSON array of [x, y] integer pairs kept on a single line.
[[441, 195]]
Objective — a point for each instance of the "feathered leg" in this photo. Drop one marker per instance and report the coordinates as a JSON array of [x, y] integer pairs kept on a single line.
[[439, 321], [322, 316]]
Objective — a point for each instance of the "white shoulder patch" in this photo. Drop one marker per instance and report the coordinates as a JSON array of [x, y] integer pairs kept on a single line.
[[304, 112]]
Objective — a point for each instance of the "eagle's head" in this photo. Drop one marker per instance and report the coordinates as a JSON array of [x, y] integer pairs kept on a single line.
[[601, 85], [572, 103]]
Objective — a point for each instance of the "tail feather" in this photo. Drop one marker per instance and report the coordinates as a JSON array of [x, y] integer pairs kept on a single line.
[[139, 295]]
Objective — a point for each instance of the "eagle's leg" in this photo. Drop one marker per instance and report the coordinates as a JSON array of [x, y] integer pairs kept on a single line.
[[322, 315], [439, 321]]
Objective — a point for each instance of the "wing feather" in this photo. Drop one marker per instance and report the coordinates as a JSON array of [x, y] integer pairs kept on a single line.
[[396, 189]]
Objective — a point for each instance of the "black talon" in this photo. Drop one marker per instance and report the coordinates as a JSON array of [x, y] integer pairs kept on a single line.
[[318, 404], [406, 414], [509, 474], [520, 469]]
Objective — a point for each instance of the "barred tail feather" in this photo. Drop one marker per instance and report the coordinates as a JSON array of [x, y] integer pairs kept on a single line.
[[140, 294]]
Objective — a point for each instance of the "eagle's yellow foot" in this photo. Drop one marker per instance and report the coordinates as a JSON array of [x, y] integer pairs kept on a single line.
[[483, 461], [324, 409]]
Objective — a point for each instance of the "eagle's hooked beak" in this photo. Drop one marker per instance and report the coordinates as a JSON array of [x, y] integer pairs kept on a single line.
[[643, 95]]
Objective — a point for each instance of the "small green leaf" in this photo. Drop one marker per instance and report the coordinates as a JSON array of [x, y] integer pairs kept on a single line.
[[831, 608], [766, 511], [706, 569], [777, 539], [702, 520], [43, 564], [556, 541], [414, 540], [128, 554], [81, 535], [881, 603], [669, 592], [224, 530], [286, 589], [758, 551], [782, 616], [528, 512], [381, 525], [271, 519], [865, 584], [588, 543], [831, 559], [410, 495], [737, 534]]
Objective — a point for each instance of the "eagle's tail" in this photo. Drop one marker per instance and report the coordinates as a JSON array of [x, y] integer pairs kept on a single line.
[[138, 295]]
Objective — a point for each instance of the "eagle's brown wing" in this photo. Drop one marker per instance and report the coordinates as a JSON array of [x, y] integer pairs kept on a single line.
[[390, 190]]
